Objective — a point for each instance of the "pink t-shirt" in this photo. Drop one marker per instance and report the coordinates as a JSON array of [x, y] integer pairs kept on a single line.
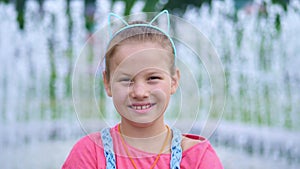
[[88, 154]]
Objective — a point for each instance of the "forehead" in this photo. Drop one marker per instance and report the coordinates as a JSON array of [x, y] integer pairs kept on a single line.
[[134, 57]]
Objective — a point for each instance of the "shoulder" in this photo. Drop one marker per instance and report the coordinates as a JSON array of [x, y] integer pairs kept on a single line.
[[190, 140], [87, 144], [89, 140], [198, 151], [84, 153]]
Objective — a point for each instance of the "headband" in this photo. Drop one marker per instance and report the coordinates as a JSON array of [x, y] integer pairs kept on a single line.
[[148, 25]]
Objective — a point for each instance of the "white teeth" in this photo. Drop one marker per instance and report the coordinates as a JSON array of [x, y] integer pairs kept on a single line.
[[142, 107]]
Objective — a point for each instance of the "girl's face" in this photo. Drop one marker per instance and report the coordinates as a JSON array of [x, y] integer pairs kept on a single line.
[[140, 81]]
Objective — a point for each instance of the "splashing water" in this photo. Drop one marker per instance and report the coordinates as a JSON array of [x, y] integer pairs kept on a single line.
[[260, 61]]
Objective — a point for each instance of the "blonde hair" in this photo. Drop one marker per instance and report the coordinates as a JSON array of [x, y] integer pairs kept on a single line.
[[138, 34]]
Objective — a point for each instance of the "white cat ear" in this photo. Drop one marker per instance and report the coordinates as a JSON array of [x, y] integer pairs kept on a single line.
[[115, 22], [162, 21]]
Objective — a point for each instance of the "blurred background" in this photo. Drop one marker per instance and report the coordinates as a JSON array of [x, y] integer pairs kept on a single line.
[[257, 41]]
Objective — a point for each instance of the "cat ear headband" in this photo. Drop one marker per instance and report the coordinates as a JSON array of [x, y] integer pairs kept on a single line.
[[148, 25]]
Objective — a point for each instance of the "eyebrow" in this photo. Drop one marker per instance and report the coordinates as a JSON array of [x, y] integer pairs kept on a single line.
[[149, 71], [122, 74], [154, 70]]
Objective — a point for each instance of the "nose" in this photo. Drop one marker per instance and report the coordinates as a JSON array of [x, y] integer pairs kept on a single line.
[[139, 90]]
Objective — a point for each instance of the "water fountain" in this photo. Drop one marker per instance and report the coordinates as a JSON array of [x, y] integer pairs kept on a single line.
[[262, 114]]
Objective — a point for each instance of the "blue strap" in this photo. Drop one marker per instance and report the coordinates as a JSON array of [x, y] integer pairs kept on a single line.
[[108, 148], [176, 150]]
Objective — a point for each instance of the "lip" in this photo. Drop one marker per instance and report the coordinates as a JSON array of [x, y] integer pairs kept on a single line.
[[141, 108]]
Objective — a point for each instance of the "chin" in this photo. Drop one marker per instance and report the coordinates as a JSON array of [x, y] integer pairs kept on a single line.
[[145, 123], [142, 123]]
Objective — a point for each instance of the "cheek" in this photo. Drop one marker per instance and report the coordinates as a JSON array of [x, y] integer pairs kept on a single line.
[[162, 91], [119, 93], [166, 86], [116, 91]]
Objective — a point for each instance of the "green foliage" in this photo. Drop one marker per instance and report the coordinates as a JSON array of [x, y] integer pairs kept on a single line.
[[69, 52], [178, 7], [156, 5], [283, 3], [89, 12], [181, 6], [5, 1], [150, 6], [20, 7], [278, 23]]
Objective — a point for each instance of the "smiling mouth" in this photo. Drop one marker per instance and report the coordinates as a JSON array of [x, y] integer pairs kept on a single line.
[[141, 106]]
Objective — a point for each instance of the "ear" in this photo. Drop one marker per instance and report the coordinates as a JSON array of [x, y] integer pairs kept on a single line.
[[115, 24], [106, 84], [175, 81], [162, 21]]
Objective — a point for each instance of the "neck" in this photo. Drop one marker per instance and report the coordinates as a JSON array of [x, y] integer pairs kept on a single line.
[[134, 130], [148, 138]]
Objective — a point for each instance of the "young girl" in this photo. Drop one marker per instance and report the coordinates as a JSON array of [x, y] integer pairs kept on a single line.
[[140, 75]]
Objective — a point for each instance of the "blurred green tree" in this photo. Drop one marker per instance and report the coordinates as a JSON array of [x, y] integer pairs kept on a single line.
[[20, 7], [179, 7], [89, 12], [176, 6]]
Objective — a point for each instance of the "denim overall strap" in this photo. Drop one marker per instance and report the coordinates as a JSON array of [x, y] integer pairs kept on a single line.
[[176, 150], [108, 148]]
